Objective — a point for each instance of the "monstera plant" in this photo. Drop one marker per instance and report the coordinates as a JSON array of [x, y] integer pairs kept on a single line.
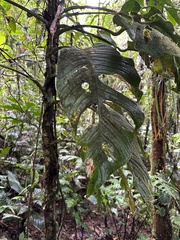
[[111, 141]]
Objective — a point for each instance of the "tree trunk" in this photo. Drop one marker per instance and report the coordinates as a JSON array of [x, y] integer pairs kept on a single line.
[[158, 126], [51, 176], [162, 229]]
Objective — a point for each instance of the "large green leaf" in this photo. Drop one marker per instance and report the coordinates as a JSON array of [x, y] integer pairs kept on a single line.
[[148, 40], [108, 61], [74, 70], [13, 182], [131, 6], [127, 104], [173, 12], [140, 175], [77, 67], [109, 143]]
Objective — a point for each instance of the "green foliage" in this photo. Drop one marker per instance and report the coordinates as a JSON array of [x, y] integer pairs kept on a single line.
[[166, 194], [22, 237], [176, 138], [11, 206], [167, 190], [105, 120], [14, 183], [175, 220], [76, 69], [154, 36], [4, 151]]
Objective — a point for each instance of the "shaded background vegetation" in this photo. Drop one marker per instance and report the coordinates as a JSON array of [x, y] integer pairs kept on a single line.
[[114, 206]]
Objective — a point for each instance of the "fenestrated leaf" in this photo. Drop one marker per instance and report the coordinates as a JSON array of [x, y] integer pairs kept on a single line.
[[107, 60], [131, 107], [140, 175], [83, 66], [75, 69], [112, 137], [118, 142], [108, 144]]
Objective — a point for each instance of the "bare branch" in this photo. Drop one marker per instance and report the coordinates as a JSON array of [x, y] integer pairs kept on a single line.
[[77, 27], [85, 13], [36, 82], [89, 7], [37, 16]]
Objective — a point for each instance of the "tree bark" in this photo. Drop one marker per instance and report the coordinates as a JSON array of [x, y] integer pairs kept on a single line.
[[158, 126], [162, 229], [51, 176]]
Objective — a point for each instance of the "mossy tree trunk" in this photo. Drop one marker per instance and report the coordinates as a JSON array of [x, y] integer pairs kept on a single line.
[[162, 229], [51, 14], [158, 125]]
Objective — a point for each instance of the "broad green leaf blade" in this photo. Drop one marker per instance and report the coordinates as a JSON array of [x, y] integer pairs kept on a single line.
[[12, 23], [150, 12], [160, 3], [2, 39], [173, 12], [7, 217], [75, 69], [140, 175], [149, 41], [107, 60], [131, 6], [108, 145], [101, 173], [4, 151], [127, 188], [117, 134], [13, 182], [127, 104]]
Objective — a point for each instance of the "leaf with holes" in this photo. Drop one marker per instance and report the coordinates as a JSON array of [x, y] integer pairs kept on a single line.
[[109, 143]]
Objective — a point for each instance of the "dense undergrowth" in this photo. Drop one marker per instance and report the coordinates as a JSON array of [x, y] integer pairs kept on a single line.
[[117, 211]]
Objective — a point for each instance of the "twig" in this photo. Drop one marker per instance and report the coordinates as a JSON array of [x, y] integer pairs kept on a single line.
[[36, 82], [90, 35], [37, 16], [76, 27], [89, 7], [83, 13]]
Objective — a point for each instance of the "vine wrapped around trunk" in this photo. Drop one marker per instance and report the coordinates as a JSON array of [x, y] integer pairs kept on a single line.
[[51, 178]]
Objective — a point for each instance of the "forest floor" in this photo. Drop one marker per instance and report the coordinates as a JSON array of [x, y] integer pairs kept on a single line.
[[95, 225]]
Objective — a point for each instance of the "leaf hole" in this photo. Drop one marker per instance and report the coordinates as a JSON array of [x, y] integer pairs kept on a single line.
[[85, 86]]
